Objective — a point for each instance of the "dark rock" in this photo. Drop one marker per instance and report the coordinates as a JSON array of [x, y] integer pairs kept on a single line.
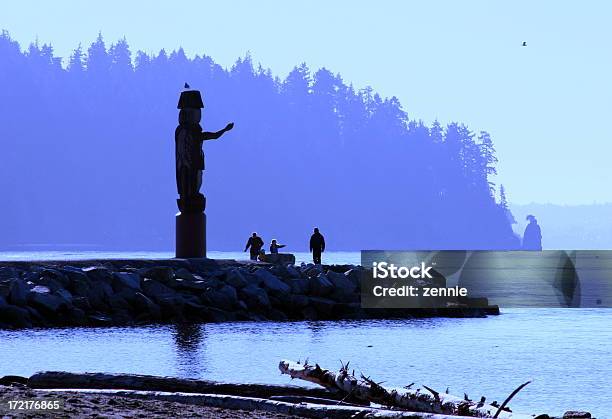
[[99, 273], [341, 296], [98, 294], [156, 290], [271, 283], [50, 283], [163, 274], [354, 275], [13, 316], [65, 295], [218, 299], [8, 272], [193, 286], [292, 272], [255, 297], [77, 317], [311, 270], [126, 280], [576, 415], [41, 298], [82, 303], [299, 286], [183, 273], [341, 281], [79, 284], [53, 275], [236, 279], [299, 301], [18, 291], [321, 286], [230, 292], [309, 313], [118, 303], [324, 306], [5, 288], [100, 320], [276, 315], [144, 304]]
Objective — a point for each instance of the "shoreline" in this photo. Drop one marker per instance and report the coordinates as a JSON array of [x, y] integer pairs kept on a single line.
[[125, 292]]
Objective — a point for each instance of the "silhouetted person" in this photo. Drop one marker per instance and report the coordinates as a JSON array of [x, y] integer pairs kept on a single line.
[[532, 239], [254, 244], [317, 246], [274, 246]]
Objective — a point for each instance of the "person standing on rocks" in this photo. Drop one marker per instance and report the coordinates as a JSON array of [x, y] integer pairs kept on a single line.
[[254, 244], [317, 246]]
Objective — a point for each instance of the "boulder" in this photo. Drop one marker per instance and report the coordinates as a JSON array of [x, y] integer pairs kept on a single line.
[[126, 280], [217, 299], [271, 283], [341, 282], [193, 286], [254, 296], [299, 286], [299, 301], [79, 283], [8, 272], [118, 303], [98, 294], [55, 275], [161, 274], [144, 305], [13, 316], [40, 298], [5, 288], [320, 285], [236, 279], [98, 273], [230, 292], [311, 270], [65, 295], [156, 290], [183, 273], [292, 272], [354, 275], [18, 291], [323, 306]]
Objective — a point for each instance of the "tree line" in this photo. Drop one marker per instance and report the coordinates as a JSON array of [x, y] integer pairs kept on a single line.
[[88, 157]]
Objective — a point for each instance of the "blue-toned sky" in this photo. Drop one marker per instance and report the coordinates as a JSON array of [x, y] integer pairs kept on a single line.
[[546, 104]]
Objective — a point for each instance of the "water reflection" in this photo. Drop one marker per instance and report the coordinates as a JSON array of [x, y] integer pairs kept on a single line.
[[189, 339]]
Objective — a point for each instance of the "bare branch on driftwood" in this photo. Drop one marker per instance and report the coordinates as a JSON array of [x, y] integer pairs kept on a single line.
[[368, 390], [514, 393]]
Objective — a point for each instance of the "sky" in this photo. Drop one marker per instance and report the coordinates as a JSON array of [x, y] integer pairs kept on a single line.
[[545, 104]]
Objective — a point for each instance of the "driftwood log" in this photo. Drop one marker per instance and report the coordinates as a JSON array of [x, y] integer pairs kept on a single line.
[[417, 400], [67, 380], [306, 410]]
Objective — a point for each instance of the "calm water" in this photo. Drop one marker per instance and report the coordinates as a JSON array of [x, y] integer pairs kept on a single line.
[[328, 257], [566, 352]]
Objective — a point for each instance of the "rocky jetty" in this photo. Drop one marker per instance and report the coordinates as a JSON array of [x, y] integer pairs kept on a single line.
[[130, 292]]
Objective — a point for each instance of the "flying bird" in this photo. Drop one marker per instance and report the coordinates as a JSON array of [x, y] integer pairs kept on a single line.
[[186, 85], [524, 43]]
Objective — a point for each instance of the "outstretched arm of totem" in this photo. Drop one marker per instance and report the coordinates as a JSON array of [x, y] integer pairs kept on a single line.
[[214, 135]]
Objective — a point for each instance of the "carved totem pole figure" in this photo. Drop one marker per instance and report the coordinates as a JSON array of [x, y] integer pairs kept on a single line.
[[189, 137]]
